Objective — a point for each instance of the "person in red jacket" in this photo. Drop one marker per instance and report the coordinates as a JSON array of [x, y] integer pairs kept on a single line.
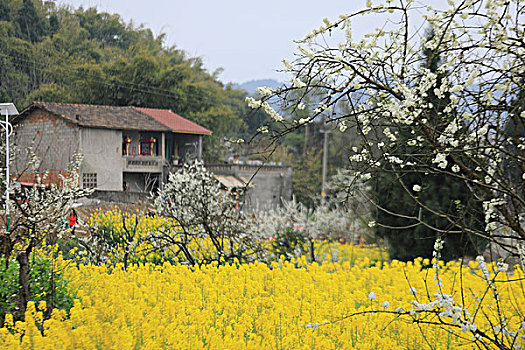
[[72, 220]]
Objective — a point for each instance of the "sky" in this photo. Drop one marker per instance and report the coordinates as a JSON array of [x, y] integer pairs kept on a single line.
[[248, 39]]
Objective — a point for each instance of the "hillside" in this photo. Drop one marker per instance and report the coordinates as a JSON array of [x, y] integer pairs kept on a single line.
[[59, 54], [252, 85]]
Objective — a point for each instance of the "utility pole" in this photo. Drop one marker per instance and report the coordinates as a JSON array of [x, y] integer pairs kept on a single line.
[[324, 131], [7, 109], [305, 147]]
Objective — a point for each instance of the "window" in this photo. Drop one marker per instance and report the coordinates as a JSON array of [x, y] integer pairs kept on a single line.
[[145, 148], [89, 180], [148, 146]]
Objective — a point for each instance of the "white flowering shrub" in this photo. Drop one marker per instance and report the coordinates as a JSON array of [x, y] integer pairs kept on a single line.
[[307, 224], [380, 85], [202, 212]]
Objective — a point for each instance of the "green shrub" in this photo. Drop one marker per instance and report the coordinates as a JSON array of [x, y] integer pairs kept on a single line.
[[46, 285], [289, 244]]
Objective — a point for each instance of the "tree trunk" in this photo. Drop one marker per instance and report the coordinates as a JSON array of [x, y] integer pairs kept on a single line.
[[23, 279], [52, 295], [311, 249]]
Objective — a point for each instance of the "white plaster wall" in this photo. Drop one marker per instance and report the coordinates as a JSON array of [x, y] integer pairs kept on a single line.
[[102, 150]]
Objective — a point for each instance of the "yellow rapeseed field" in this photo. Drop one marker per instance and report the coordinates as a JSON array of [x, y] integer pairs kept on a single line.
[[254, 306]]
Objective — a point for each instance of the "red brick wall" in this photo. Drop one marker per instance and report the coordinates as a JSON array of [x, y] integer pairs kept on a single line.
[[52, 176], [53, 139]]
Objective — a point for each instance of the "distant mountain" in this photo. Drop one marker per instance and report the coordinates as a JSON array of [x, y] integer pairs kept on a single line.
[[252, 85]]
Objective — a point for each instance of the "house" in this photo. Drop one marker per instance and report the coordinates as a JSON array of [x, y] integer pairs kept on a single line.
[[123, 148], [128, 151]]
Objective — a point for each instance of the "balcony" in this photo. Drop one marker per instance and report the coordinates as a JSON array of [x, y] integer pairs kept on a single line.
[[143, 164]]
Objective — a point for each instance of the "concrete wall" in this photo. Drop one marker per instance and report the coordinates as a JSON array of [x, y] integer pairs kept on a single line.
[[142, 182], [270, 183], [54, 141], [270, 186], [188, 146], [102, 150], [121, 197]]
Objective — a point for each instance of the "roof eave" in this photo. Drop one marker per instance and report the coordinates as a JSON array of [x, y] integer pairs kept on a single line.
[[191, 132], [120, 128]]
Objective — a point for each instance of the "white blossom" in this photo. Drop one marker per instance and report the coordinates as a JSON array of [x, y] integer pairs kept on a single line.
[[502, 266], [253, 103], [297, 83], [271, 112], [441, 159], [456, 88], [289, 66], [265, 91], [472, 77]]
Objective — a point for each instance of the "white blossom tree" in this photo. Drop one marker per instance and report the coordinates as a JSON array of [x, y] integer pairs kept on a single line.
[[324, 222], [383, 85], [37, 215], [379, 86]]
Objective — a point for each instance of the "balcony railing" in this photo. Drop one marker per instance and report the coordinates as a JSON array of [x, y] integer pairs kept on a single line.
[[235, 168], [144, 163]]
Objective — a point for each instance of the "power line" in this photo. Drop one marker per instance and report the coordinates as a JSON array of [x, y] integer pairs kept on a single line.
[[145, 88], [123, 83]]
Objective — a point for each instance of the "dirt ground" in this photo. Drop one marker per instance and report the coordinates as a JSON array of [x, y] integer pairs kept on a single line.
[[85, 209]]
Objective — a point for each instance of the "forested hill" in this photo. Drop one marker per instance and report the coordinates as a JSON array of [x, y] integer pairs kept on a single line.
[[61, 54], [252, 85]]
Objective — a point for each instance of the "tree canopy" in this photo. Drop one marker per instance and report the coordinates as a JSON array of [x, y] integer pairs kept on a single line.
[[61, 54], [408, 241]]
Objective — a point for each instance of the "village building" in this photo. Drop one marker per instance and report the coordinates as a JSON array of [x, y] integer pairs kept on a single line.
[[128, 151], [123, 148]]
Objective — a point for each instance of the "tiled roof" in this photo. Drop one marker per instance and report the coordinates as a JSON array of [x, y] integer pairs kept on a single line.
[[120, 118], [175, 122], [107, 117]]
